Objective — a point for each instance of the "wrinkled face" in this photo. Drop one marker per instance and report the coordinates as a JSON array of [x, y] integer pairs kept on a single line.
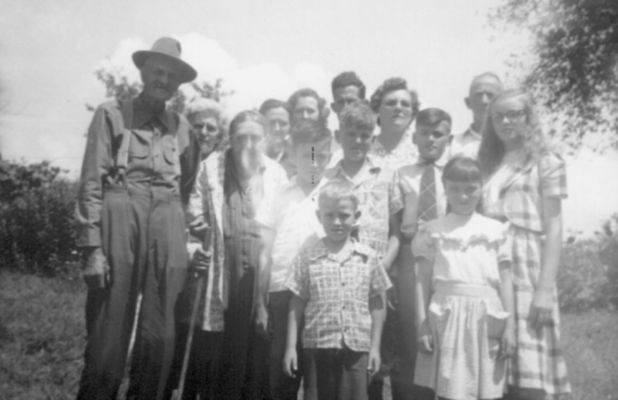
[[482, 92], [396, 110], [278, 121], [307, 107], [338, 217], [160, 78], [463, 197], [344, 96], [310, 160], [207, 129], [509, 120], [432, 140], [355, 142], [247, 143]]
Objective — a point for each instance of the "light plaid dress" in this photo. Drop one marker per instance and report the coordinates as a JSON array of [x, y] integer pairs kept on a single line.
[[538, 362]]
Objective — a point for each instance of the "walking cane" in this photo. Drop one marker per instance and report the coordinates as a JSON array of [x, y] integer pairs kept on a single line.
[[200, 273], [124, 384]]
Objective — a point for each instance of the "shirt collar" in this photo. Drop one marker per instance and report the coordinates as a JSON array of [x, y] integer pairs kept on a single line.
[[351, 247]]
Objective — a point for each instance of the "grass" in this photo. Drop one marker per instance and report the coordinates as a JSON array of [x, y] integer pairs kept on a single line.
[[42, 339]]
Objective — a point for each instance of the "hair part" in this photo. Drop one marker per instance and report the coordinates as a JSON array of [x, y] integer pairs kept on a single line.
[[462, 169], [348, 78], [270, 104], [338, 189], [491, 150], [432, 117], [244, 116]]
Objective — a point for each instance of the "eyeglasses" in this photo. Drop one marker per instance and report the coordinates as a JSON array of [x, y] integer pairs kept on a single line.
[[512, 115]]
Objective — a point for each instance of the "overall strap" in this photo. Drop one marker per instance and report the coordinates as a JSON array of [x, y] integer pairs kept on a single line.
[[121, 159]]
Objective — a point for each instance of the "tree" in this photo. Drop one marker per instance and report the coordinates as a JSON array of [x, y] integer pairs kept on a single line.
[[575, 71], [118, 85]]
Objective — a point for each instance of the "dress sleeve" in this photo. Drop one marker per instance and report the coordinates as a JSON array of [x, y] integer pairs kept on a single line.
[[298, 279], [552, 172], [505, 244], [423, 245]]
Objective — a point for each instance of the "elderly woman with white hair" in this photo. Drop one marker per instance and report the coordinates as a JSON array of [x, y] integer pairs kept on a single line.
[[208, 123]]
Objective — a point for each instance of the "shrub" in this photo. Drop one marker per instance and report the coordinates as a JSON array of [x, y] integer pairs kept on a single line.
[[37, 232], [588, 278]]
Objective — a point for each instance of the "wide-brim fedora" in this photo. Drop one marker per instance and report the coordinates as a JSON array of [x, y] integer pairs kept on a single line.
[[170, 48]]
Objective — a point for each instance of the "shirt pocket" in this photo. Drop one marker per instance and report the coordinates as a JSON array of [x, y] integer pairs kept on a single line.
[[139, 146], [170, 151]]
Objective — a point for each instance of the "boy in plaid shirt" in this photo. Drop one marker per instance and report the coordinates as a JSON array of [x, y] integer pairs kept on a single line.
[[339, 286]]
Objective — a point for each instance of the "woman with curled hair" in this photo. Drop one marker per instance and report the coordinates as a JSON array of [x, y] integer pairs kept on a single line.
[[208, 123], [234, 195], [526, 183], [306, 103], [396, 106]]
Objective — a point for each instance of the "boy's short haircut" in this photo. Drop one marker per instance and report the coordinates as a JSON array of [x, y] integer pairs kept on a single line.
[[348, 78], [309, 131], [358, 115], [338, 189], [432, 116], [270, 104]]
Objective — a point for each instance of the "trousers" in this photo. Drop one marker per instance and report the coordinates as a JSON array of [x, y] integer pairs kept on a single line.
[[143, 239]]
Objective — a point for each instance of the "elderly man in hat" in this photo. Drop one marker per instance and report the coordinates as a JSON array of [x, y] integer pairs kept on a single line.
[[139, 166]]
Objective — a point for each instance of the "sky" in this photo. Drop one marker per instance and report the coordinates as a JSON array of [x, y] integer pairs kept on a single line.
[[50, 49]]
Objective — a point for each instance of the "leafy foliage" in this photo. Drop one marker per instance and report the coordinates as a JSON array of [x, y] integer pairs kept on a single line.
[[119, 86], [575, 72], [37, 231], [588, 278]]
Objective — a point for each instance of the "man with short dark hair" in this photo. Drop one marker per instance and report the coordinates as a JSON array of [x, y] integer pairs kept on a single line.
[[139, 166], [346, 88]]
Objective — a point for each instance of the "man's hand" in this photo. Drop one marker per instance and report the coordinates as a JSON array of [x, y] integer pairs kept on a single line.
[[95, 269], [425, 343], [261, 320], [198, 227], [290, 363]]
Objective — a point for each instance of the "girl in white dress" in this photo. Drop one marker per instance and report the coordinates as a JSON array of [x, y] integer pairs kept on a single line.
[[464, 294]]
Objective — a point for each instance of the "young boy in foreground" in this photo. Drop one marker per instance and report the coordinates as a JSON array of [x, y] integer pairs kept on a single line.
[[339, 286]]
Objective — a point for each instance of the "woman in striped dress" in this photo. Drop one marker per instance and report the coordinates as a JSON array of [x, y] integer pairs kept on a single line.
[[525, 185]]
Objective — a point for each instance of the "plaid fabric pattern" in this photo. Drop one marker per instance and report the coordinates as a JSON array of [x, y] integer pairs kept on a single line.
[[538, 362], [427, 198], [404, 154], [378, 200], [337, 288], [520, 195]]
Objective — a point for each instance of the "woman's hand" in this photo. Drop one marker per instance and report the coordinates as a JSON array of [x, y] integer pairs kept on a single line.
[[507, 342], [541, 308], [290, 362]]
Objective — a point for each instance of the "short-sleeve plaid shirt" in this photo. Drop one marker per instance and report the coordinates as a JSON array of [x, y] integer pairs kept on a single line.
[[378, 199], [337, 289]]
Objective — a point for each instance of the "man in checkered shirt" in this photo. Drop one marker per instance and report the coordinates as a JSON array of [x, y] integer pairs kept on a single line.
[[339, 286]]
